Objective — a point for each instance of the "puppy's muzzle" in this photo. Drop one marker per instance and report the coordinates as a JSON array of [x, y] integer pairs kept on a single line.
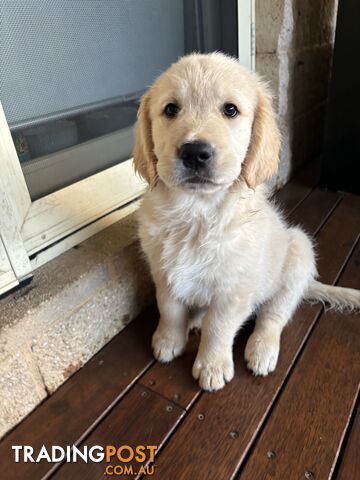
[[196, 155]]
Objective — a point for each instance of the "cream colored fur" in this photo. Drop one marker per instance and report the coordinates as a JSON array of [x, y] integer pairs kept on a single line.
[[219, 251]]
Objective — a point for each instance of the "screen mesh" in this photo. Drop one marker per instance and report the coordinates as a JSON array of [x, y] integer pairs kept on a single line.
[[63, 57]]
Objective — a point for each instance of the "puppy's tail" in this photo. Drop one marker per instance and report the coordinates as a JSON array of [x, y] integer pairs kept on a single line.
[[338, 298]]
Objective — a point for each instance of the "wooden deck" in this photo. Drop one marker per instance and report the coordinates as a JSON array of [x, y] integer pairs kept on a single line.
[[299, 423]]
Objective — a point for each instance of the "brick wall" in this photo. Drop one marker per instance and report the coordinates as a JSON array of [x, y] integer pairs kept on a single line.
[[75, 304], [294, 45]]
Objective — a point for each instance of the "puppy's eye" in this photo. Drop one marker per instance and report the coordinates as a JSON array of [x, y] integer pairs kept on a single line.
[[230, 110], [171, 110]]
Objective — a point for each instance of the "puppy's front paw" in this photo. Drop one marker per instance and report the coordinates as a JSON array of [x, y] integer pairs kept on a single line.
[[261, 353], [167, 346], [214, 374]]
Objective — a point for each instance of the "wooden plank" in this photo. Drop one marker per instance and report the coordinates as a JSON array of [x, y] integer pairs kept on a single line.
[[338, 237], [215, 437], [174, 380], [141, 418], [83, 400], [314, 211], [350, 464], [294, 192], [308, 424]]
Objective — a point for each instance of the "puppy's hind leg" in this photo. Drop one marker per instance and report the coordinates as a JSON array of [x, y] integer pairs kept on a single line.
[[263, 346]]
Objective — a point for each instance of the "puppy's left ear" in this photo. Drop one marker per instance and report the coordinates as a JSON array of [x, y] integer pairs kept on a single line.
[[144, 157], [262, 158]]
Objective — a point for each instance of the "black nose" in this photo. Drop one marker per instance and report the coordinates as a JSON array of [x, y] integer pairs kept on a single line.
[[196, 154]]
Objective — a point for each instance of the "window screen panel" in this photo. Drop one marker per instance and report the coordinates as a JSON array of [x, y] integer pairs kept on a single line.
[[64, 57]]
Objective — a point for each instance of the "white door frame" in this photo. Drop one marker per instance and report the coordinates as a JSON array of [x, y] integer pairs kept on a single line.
[[27, 227], [8, 278], [246, 33]]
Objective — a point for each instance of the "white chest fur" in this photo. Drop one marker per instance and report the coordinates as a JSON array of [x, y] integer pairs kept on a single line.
[[195, 245]]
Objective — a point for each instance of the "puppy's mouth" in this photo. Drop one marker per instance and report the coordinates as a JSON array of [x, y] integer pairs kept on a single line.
[[199, 179], [200, 183]]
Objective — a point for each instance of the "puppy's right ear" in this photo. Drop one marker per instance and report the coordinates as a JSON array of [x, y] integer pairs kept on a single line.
[[144, 157], [262, 159]]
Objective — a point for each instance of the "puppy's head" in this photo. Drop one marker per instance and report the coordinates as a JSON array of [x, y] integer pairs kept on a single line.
[[205, 123]]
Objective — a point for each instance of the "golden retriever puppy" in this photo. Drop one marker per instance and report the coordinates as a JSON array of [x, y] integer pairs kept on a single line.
[[206, 141]]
